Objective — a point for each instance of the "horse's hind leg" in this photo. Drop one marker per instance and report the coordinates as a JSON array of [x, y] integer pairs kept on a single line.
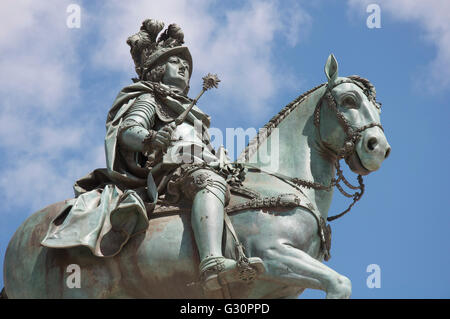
[[293, 267]]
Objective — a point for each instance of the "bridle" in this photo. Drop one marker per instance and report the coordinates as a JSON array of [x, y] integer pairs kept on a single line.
[[353, 135]]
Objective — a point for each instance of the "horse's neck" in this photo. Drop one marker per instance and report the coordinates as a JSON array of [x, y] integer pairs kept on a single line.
[[292, 149]]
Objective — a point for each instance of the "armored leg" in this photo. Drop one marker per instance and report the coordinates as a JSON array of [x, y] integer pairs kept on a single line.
[[209, 192], [207, 222]]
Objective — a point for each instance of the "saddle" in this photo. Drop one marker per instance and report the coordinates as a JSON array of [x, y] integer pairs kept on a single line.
[[242, 198]]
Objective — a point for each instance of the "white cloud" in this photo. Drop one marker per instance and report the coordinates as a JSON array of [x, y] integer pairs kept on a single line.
[[38, 53], [33, 182], [433, 16], [39, 85], [297, 23]]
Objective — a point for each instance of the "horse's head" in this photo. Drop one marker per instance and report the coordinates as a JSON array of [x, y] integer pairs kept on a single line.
[[348, 121]]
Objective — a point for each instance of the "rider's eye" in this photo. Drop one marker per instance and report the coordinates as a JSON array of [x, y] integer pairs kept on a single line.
[[349, 102]]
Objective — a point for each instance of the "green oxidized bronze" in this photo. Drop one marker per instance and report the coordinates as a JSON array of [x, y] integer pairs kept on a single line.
[[170, 217]]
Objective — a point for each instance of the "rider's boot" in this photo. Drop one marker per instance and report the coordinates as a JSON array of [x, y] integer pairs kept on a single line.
[[207, 222]]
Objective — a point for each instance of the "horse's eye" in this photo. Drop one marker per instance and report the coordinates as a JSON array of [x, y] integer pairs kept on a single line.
[[349, 102]]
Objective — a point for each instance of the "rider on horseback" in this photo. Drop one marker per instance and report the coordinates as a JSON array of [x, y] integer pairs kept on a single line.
[[183, 161], [146, 147]]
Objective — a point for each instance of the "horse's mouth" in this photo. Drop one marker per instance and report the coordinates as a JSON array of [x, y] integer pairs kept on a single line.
[[355, 164]]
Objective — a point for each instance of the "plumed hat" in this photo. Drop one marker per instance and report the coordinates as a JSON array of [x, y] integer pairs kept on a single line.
[[147, 49]]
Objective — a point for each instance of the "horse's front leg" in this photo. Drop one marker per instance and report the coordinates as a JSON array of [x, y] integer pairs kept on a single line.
[[293, 267]]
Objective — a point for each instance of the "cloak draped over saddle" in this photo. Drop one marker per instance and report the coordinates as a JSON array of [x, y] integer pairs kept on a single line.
[[108, 208]]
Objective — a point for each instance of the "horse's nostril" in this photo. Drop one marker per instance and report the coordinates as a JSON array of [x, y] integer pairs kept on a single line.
[[387, 152], [372, 143]]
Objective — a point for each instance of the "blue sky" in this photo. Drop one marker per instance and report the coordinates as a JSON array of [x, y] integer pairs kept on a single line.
[[57, 85]]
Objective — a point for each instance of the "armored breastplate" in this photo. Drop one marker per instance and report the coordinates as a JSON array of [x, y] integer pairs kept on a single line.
[[188, 146]]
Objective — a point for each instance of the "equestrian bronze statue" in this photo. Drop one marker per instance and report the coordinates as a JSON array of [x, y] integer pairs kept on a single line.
[[172, 217]]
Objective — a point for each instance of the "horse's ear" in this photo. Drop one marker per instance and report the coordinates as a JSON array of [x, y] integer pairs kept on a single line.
[[331, 69]]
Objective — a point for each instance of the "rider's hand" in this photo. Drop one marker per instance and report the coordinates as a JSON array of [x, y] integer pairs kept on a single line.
[[163, 137]]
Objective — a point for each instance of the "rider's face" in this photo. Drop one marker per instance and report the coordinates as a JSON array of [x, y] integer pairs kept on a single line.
[[177, 73]]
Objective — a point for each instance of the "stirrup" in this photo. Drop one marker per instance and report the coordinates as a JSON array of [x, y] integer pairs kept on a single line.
[[250, 268], [216, 272]]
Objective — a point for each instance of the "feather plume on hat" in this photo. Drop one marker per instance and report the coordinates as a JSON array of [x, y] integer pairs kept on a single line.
[[146, 48]]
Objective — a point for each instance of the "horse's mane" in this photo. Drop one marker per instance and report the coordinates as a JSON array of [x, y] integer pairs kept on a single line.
[[266, 130]]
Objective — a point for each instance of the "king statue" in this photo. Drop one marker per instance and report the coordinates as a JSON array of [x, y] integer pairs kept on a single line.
[[157, 149]]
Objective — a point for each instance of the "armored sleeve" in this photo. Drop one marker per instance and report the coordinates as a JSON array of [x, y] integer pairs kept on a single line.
[[142, 113], [137, 122]]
